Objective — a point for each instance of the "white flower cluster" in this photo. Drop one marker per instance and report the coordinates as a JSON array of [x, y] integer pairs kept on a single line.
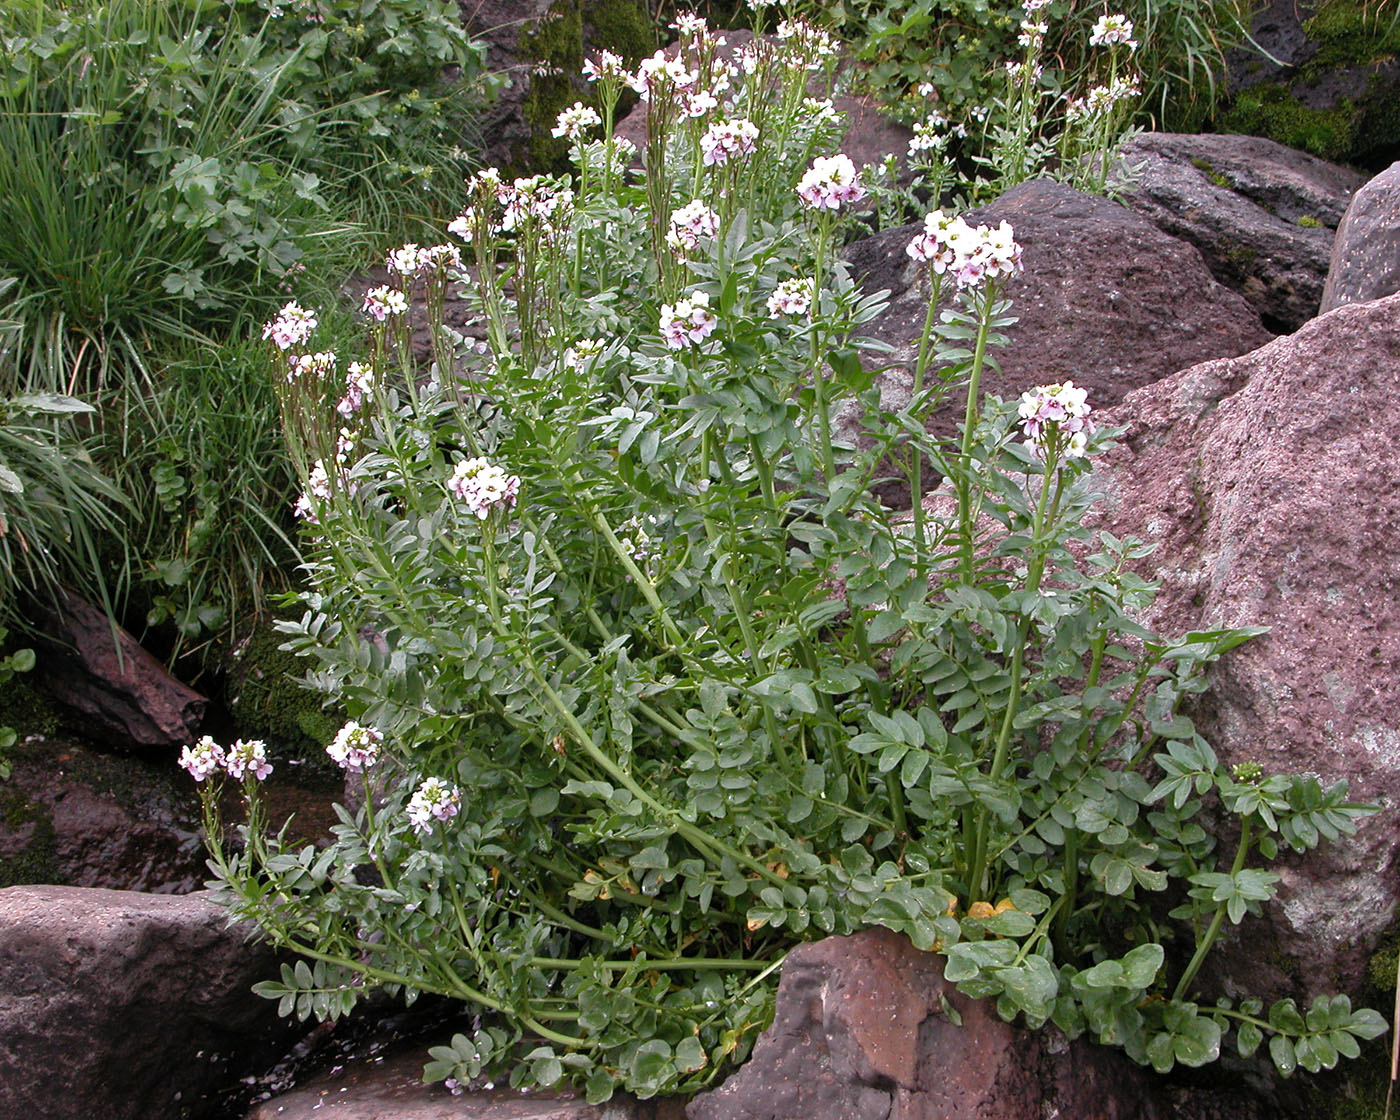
[[659, 75], [689, 320], [203, 759], [1032, 34], [970, 255], [433, 800], [792, 297], [1100, 100], [538, 198], [384, 301], [1111, 30], [725, 140], [1056, 417], [806, 46], [246, 758], [608, 67], [320, 364], [830, 183], [359, 380], [355, 748], [291, 327], [574, 121], [689, 224], [929, 135], [483, 487]]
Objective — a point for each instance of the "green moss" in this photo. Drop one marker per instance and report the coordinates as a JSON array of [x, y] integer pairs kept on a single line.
[[622, 26], [1211, 173], [554, 47], [1348, 33], [268, 702], [1274, 112], [27, 710], [1309, 222], [36, 863]]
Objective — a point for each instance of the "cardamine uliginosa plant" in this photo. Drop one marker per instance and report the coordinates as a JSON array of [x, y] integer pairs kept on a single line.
[[647, 686]]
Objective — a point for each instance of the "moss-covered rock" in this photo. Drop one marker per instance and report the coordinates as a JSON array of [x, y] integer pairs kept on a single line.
[[267, 699], [30, 857], [1337, 94], [555, 46]]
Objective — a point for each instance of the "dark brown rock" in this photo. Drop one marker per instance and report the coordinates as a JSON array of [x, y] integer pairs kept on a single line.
[[392, 1088], [97, 668], [126, 1006], [74, 816], [1106, 300], [1365, 263], [1240, 200], [1271, 484]]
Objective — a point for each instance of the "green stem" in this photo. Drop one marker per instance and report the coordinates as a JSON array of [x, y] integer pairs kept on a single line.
[[1213, 930], [964, 481], [916, 469], [1044, 511]]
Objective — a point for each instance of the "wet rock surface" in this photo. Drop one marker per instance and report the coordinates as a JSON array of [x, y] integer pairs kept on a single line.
[[127, 1006], [76, 816], [1270, 483], [1106, 299], [97, 668], [390, 1087], [1262, 215], [1365, 262]]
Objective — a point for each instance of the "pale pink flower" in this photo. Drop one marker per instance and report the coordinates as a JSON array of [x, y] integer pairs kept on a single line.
[[830, 183], [689, 224], [483, 487], [971, 256], [355, 748], [202, 759], [248, 758], [725, 140], [1056, 416], [384, 301], [574, 121], [688, 321], [291, 327], [359, 380], [608, 66], [792, 297], [1111, 30], [311, 365], [433, 800]]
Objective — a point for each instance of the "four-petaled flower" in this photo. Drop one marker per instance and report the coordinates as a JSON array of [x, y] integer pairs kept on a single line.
[[483, 487], [291, 327], [689, 320], [1055, 418], [574, 121], [203, 759], [433, 800], [247, 758], [1109, 30], [355, 748], [830, 183], [792, 297]]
